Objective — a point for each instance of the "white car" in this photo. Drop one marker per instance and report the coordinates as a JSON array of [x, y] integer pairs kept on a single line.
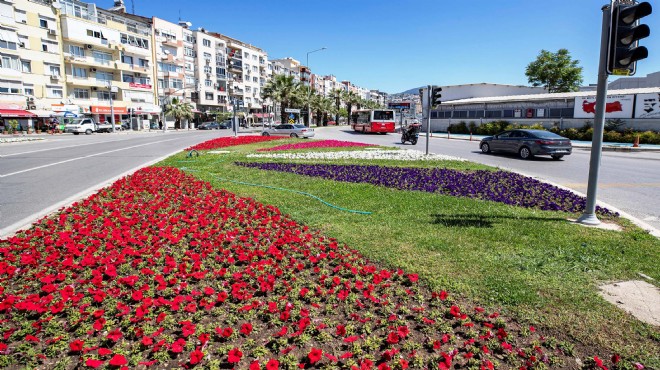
[[289, 130]]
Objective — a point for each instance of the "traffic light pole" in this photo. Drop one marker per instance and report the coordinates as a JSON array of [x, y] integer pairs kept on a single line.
[[428, 118], [589, 216]]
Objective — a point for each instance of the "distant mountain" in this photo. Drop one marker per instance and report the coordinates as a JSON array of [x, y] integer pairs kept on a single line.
[[411, 91]]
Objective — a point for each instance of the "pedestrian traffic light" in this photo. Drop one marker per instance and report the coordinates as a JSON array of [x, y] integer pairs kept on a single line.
[[436, 95], [625, 33]]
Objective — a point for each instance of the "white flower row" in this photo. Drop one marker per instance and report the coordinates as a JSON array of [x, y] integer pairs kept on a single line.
[[18, 139], [401, 155]]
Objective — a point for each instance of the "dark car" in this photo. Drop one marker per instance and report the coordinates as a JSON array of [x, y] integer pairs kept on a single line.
[[212, 125], [528, 143]]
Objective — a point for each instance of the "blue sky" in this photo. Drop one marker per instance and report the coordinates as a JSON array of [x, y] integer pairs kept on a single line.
[[393, 45]]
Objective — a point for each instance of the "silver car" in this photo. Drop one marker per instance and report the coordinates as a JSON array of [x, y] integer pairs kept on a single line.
[[289, 130], [528, 143]]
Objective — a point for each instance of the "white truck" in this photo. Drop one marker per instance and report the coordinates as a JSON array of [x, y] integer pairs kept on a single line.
[[87, 126]]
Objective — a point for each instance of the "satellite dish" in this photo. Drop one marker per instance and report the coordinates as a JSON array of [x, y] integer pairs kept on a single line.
[[56, 4]]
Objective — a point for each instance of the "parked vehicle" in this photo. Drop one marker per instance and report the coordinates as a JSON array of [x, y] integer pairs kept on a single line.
[[289, 130], [528, 143], [373, 120], [213, 125], [410, 133], [88, 126]]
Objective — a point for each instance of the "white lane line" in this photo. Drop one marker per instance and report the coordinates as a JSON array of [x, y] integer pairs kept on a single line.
[[79, 158], [26, 222], [57, 148]]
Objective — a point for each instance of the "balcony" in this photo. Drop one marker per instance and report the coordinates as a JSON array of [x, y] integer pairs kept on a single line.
[[173, 92], [173, 43], [236, 66], [236, 91]]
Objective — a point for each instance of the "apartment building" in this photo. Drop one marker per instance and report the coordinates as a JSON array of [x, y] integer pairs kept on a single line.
[[211, 51], [31, 80], [170, 63], [108, 63]]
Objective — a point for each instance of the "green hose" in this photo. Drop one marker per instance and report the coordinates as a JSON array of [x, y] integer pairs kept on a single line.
[[285, 189]]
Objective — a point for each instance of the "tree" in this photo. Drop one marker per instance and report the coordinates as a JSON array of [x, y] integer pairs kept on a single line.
[[179, 110], [557, 72], [322, 106], [282, 90], [351, 99], [337, 95]]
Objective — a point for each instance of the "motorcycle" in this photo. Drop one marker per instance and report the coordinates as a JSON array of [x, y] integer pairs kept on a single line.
[[411, 134]]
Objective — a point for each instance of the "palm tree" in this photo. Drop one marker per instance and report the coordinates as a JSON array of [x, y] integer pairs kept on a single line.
[[322, 106], [281, 90], [304, 98], [337, 95], [179, 110], [351, 99]]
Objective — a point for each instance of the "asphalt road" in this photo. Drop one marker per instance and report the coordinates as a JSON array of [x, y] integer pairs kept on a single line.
[[628, 181], [39, 177]]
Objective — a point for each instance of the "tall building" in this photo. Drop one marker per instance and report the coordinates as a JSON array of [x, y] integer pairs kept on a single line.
[[108, 63], [31, 73], [211, 52]]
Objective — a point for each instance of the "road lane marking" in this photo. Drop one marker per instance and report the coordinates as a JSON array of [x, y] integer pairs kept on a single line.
[[79, 158], [59, 147]]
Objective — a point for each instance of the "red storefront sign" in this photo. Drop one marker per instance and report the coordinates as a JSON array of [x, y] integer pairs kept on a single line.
[[97, 109], [139, 86]]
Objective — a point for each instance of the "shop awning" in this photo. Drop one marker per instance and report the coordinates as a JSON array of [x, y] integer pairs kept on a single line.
[[16, 113], [42, 112]]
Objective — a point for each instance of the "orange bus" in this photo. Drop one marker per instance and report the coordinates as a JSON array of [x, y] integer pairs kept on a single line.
[[373, 120]]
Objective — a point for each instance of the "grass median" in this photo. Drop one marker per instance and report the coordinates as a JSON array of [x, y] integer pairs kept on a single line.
[[533, 265]]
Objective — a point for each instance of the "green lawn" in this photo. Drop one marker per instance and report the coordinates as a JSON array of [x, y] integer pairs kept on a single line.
[[534, 266]]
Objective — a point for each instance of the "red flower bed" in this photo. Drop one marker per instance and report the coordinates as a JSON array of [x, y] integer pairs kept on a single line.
[[224, 142], [162, 270], [315, 144]]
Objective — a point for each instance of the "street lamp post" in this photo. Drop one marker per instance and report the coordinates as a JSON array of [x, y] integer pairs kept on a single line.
[[309, 94], [112, 108]]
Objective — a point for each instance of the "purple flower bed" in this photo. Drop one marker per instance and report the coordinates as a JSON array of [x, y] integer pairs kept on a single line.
[[315, 144], [498, 186]]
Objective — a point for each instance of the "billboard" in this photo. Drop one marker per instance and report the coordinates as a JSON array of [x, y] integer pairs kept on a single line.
[[647, 106], [616, 106], [398, 105]]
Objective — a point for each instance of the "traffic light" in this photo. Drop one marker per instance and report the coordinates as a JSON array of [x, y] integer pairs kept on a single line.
[[436, 95], [625, 33]]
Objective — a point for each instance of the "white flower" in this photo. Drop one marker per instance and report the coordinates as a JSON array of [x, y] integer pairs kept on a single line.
[[401, 155]]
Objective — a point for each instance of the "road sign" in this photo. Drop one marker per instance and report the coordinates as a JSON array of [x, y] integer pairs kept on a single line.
[[290, 110]]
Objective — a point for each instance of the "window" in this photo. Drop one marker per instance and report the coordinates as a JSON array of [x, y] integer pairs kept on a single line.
[[143, 63], [101, 57], [189, 52], [208, 69], [254, 57], [43, 23], [95, 34], [29, 91], [208, 83], [220, 72], [55, 92], [104, 76], [11, 87], [255, 79], [53, 70], [81, 93], [20, 16], [8, 45], [105, 95], [246, 54], [127, 78], [207, 55], [10, 62], [190, 80], [79, 72], [189, 67], [126, 59], [190, 39], [134, 41], [206, 43], [26, 66], [77, 51], [23, 41], [166, 67], [209, 96]]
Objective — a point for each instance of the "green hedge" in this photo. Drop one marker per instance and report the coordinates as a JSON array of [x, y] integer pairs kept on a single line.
[[585, 133]]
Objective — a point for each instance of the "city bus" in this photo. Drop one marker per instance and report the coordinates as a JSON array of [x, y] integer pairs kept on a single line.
[[373, 120]]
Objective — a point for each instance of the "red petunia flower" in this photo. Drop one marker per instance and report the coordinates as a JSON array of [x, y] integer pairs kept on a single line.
[[93, 363], [393, 338], [114, 335], [315, 355], [272, 364], [196, 356], [104, 351], [118, 360], [246, 328], [76, 345], [234, 356], [254, 365]]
